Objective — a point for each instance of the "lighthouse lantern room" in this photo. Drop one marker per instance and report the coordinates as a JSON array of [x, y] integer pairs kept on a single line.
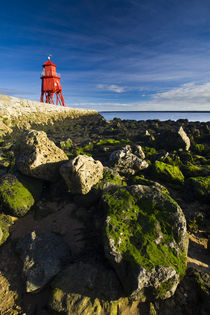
[[51, 84]]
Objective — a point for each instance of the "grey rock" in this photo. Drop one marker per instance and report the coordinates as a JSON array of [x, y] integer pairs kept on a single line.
[[81, 174], [39, 157], [128, 160], [153, 278], [43, 256]]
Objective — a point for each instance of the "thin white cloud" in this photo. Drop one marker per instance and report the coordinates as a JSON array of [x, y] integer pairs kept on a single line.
[[112, 88], [186, 94], [188, 97]]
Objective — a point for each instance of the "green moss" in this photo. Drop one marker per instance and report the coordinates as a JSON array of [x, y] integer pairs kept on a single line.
[[200, 187], [89, 147], [5, 222], [109, 178], [149, 152], [193, 225], [201, 148], [193, 170], [170, 173], [173, 159], [81, 151], [14, 196], [133, 227], [113, 142], [164, 287], [66, 145], [140, 180]]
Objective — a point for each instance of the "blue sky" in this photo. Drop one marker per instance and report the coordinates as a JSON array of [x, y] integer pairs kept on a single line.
[[112, 54]]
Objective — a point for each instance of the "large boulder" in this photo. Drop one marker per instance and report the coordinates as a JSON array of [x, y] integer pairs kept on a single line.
[[84, 286], [38, 156], [128, 160], [15, 197], [81, 174], [43, 256], [174, 138], [145, 239]]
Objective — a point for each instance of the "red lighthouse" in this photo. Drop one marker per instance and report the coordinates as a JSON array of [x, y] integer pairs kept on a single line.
[[51, 84]]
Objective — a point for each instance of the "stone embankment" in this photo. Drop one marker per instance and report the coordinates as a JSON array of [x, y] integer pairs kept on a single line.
[[18, 114]]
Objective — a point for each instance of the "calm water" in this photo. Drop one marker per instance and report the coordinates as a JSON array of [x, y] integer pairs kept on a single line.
[[191, 116]]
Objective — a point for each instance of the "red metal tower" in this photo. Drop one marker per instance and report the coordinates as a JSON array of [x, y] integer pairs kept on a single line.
[[51, 84]]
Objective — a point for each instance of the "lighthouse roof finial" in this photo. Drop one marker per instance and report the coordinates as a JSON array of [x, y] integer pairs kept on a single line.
[[49, 57]]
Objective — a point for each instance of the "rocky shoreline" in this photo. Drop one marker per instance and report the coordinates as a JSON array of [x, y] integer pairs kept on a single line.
[[103, 217]]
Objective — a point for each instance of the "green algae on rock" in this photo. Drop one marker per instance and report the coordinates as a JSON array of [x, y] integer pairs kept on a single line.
[[150, 152], [145, 239], [193, 170], [200, 187], [109, 176], [168, 172], [5, 222], [113, 142], [15, 198]]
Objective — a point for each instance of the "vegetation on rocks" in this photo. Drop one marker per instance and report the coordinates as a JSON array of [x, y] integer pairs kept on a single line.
[[135, 227], [167, 172], [15, 198], [120, 142], [5, 222], [200, 187]]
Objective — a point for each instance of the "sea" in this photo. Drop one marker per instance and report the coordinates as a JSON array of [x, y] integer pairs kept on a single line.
[[162, 116]]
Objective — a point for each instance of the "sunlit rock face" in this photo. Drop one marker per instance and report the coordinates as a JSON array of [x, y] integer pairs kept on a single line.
[[38, 156]]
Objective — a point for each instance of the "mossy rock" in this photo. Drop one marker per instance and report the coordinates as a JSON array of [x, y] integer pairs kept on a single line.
[[201, 148], [66, 145], [110, 176], [14, 196], [173, 159], [113, 142], [199, 187], [74, 151], [140, 180], [5, 222], [193, 170], [167, 172], [145, 238], [149, 152]]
